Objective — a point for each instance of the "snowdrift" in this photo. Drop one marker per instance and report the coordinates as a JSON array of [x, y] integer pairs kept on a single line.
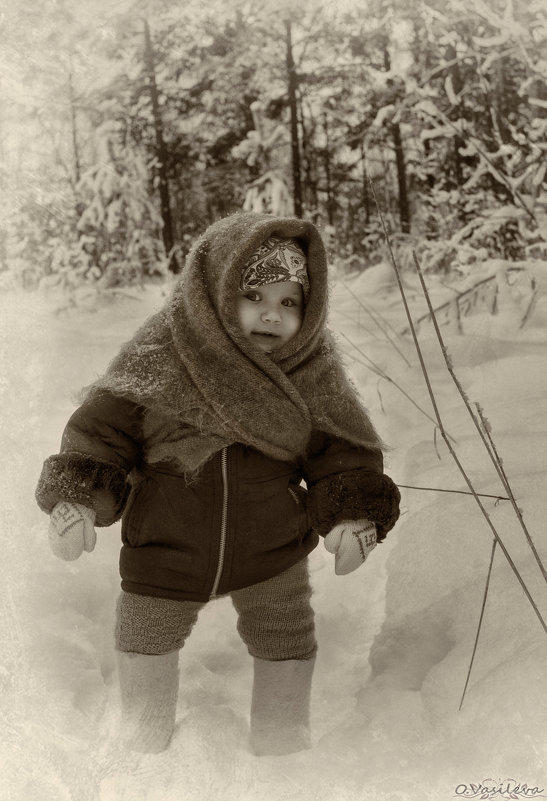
[[395, 637]]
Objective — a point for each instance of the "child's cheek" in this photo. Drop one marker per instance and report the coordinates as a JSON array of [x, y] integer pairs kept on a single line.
[[295, 325], [245, 316]]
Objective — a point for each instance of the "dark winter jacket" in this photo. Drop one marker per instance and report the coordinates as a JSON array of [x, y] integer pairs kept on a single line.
[[245, 518]]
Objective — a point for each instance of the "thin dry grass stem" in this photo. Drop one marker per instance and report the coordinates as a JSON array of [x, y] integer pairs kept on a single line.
[[459, 492], [364, 364], [435, 443], [360, 324], [479, 627], [480, 422], [378, 371], [373, 316], [441, 424], [381, 400], [505, 481], [529, 309]]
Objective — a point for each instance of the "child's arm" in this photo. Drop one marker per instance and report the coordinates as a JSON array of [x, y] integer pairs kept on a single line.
[[347, 483], [100, 446]]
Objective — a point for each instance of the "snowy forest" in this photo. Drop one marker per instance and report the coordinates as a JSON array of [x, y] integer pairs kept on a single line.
[[126, 130], [412, 133]]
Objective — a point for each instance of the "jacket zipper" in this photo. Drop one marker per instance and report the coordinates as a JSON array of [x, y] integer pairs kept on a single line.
[[223, 522]]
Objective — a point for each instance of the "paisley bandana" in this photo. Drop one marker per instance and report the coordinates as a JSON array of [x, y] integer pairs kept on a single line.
[[276, 260]]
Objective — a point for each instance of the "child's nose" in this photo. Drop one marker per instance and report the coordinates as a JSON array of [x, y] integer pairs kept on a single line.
[[271, 315]]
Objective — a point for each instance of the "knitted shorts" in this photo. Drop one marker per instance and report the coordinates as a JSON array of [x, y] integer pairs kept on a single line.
[[275, 619]]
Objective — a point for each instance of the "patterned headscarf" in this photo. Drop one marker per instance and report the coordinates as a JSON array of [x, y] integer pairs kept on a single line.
[[276, 260]]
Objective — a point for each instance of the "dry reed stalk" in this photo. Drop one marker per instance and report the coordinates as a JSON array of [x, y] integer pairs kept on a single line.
[[441, 424], [377, 370], [479, 627], [357, 322], [458, 492], [480, 423], [373, 316]]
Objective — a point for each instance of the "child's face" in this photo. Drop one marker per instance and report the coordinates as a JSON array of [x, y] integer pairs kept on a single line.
[[272, 314]]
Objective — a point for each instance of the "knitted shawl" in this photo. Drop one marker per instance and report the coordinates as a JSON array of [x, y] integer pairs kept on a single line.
[[191, 364]]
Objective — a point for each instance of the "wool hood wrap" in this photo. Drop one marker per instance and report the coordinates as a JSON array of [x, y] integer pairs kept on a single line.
[[190, 362]]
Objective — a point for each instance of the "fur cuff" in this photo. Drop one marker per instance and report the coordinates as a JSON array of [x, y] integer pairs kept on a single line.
[[77, 478], [353, 495]]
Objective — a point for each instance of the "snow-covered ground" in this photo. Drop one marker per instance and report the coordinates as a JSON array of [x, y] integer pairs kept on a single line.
[[395, 637]]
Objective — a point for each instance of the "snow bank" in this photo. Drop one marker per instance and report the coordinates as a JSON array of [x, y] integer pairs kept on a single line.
[[395, 637]]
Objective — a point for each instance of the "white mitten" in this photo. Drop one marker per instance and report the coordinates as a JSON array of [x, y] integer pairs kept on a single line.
[[71, 530], [351, 541]]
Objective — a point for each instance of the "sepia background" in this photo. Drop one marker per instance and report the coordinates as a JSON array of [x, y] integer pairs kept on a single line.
[[125, 129]]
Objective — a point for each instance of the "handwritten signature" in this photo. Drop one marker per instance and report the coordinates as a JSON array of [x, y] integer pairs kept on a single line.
[[488, 788]]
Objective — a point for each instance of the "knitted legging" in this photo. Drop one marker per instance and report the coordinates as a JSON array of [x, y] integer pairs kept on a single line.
[[275, 619]]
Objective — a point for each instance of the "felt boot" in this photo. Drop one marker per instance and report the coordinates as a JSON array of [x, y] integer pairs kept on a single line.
[[280, 708], [149, 688]]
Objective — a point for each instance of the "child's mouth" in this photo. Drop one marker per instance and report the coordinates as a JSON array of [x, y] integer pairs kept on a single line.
[[265, 340]]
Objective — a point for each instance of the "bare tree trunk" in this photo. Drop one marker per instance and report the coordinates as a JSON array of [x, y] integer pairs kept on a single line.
[[457, 86], [75, 147], [404, 208], [161, 151], [295, 149], [326, 161], [366, 195], [310, 198]]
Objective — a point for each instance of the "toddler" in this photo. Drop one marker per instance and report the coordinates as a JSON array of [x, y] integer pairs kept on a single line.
[[228, 439]]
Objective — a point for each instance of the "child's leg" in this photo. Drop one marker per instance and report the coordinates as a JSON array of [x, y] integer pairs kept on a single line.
[[276, 622], [148, 689], [150, 632]]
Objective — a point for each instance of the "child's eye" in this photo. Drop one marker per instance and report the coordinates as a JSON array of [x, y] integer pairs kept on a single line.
[[254, 296], [289, 302]]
